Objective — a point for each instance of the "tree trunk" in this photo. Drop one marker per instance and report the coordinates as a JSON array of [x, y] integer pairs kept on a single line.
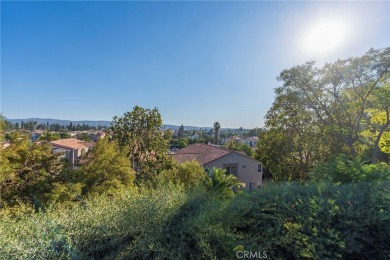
[[374, 157]]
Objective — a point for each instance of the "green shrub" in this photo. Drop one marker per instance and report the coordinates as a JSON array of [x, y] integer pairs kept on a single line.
[[288, 221], [189, 174], [102, 227], [345, 170], [315, 221]]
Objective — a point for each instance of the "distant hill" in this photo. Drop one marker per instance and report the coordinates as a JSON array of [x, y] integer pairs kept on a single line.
[[61, 122], [94, 123]]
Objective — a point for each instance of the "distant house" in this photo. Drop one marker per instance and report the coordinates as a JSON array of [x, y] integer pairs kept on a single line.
[[96, 135], [232, 138], [251, 141], [34, 136], [71, 148], [245, 168], [194, 136]]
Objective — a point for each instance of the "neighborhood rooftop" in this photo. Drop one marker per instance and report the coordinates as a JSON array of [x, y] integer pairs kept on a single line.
[[71, 143], [202, 153]]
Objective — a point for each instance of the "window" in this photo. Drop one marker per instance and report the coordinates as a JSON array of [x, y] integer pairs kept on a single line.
[[207, 170], [231, 169], [250, 186], [259, 168], [244, 166]]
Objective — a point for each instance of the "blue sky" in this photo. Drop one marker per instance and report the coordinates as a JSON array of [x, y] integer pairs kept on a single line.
[[197, 62]]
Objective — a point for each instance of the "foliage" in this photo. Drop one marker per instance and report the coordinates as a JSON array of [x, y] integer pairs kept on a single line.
[[140, 132], [181, 132], [188, 174], [321, 112], [346, 170], [237, 146], [27, 171], [216, 126], [84, 137], [379, 120], [221, 183], [49, 136], [315, 221], [104, 226], [107, 168], [288, 221], [179, 143]]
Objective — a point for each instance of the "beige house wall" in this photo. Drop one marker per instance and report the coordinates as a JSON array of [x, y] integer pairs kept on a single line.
[[247, 168]]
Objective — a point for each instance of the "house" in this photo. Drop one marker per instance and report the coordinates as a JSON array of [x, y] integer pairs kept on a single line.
[[228, 139], [34, 136], [245, 168], [194, 136], [251, 141], [71, 148]]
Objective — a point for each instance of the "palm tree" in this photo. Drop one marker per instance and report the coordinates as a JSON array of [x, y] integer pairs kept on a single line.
[[222, 183], [217, 126]]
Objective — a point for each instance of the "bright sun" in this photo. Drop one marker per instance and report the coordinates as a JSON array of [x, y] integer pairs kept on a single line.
[[325, 37]]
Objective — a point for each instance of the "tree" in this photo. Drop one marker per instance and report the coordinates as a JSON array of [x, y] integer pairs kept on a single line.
[[181, 132], [188, 174], [339, 92], [293, 140], [236, 146], [379, 118], [320, 113], [182, 143], [140, 132], [27, 171], [107, 168], [65, 134], [48, 136], [84, 137], [217, 126]]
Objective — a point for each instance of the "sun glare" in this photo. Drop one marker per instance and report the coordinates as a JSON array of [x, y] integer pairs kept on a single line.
[[325, 37]]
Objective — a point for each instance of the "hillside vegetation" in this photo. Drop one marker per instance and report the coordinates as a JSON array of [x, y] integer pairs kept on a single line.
[[312, 221]]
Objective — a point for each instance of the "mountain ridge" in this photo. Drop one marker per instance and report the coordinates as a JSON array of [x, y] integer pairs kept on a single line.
[[95, 123]]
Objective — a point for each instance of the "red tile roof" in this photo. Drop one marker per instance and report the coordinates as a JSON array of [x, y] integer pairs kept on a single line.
[[202, 153], [70, 143]]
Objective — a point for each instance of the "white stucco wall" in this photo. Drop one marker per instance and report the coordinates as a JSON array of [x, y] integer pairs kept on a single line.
[[247, 168]]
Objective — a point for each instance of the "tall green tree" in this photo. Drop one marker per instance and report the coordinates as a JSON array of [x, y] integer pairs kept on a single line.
[[181, 132], [217, 126], [338, 93], [318, 113], [140, 132]]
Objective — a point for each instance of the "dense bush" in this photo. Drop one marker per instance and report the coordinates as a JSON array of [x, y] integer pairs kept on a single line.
[[316, 221], [188, 174], [313, 221], [346, 170], [104, 226]]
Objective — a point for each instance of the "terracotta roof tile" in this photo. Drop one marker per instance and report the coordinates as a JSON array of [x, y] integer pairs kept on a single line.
[[70, 143], [202, 153]]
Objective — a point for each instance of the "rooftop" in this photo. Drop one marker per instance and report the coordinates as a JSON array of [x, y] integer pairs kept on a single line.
[[202, 153], [71, 143]]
